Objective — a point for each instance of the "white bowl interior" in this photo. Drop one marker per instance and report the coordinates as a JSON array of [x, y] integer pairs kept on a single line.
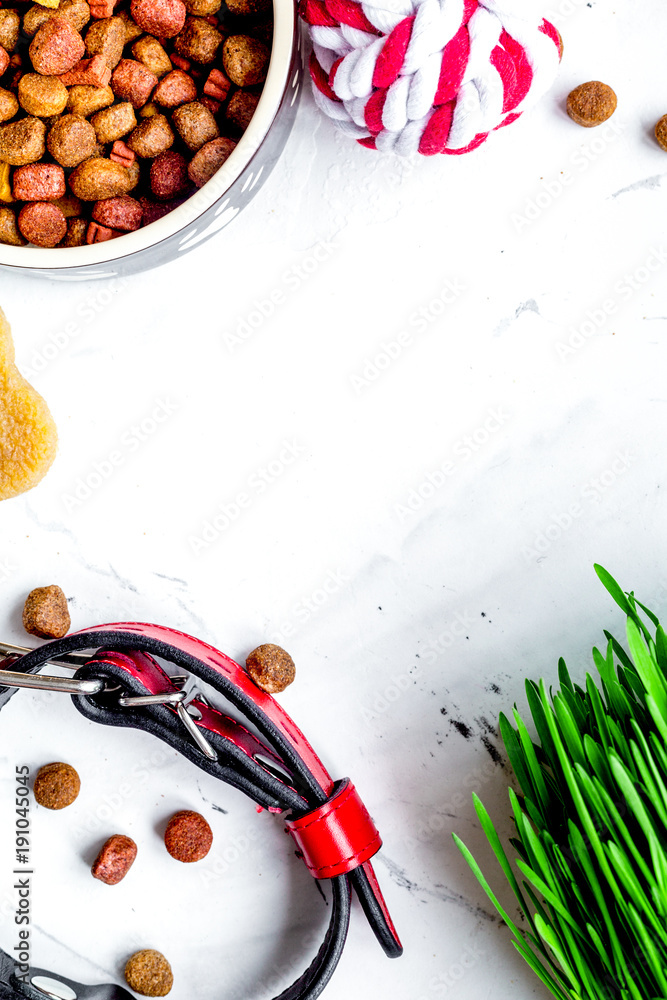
[[99, 253]]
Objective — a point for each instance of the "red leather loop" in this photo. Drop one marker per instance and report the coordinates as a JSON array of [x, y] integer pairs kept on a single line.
[[337, 837]]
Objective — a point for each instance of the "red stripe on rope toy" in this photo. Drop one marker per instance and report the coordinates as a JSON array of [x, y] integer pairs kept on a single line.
[[390, 60], [384, 75], [320, 78], [314, 12], [510, 60], [454, 61], [350, 13]]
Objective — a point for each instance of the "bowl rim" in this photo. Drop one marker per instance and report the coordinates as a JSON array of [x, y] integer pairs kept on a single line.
[[277, 79]]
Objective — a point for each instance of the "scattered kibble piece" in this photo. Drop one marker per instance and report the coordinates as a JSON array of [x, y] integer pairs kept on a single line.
[[661, 132], [28, 435], [591, 104], [149, 973], [45, 613], [115, 859], [188, 836], [56, 785], [271, 668]]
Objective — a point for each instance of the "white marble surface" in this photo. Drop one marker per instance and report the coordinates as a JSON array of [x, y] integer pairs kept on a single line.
[[408, 608]]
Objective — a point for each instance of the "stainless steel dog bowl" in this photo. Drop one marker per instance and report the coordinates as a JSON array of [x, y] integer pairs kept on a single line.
[[211, 208]]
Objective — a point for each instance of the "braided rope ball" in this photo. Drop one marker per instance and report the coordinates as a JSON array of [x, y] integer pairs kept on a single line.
[[427, 76]]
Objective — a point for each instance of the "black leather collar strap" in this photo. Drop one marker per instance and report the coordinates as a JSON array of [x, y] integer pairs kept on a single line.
[[273, 763]]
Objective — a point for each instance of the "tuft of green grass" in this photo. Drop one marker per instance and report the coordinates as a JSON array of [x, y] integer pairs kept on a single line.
[[591, 821]]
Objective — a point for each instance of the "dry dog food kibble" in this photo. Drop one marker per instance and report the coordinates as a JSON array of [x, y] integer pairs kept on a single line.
[[591, 104], [271, 668], [126, 107], [56, 785], [148, 972], [115, 859], [661, 132], [45, 613], [188, 836]]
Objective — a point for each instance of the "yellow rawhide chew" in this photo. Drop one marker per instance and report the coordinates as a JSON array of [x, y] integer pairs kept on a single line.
[[28, 435]]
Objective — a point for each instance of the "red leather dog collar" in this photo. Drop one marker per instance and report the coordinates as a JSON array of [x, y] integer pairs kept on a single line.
[[122, 684]]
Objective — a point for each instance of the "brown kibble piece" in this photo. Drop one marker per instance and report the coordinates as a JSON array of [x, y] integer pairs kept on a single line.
[[28, 435], [85, 100], [98, 178], [246, 8], [22, 142], [198, 41], [71, 140], [591, 104], [76, 233], [148, 972], [188, 836], [271, 668], [8, 105], [175, 88], [56, 785], [209, 159], [69, 205], [132, 29], [42, 96], [45, 613], [203, 8], [77, 12], [114, 122], [151, 137], [149, 52], [10, 24], [245, 60], [56, 47], [241, 108], [9, 232], [106, 38], [195, 125], [661, 132], [115, 859]]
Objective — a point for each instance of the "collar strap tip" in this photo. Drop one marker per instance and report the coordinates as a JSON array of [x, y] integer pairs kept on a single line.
[[338, 836]]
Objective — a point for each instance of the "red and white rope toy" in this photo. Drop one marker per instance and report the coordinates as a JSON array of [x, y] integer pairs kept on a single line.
[[427, 76]]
